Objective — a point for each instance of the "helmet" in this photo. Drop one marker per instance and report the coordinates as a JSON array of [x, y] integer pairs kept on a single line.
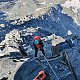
[[37, 38]]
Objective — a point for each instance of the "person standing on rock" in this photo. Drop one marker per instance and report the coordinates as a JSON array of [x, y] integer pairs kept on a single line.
[[38, 45]]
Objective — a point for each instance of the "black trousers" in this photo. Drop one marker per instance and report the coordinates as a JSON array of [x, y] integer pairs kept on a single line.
[[41, 49]]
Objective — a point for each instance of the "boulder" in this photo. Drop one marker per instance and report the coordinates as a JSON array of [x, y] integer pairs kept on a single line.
[[11, 38], [32, 67], [29, 70], [10, 44]]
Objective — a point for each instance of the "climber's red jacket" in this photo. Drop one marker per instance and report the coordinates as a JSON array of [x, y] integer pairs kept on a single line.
[[40, 44]]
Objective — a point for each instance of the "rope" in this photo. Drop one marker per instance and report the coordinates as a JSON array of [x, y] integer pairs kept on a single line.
[[51, 68]]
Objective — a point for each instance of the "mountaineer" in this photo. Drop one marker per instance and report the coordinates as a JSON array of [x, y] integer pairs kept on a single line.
[[38, 45]]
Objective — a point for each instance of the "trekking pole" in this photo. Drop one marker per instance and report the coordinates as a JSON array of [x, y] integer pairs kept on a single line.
[[51, 68]]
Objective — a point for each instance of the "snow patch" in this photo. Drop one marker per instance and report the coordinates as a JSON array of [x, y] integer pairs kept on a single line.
[[69, 32], [2, 25], [75, 4]]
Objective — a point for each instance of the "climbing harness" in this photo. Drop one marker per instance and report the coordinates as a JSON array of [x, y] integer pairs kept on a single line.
[[51, 68]]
